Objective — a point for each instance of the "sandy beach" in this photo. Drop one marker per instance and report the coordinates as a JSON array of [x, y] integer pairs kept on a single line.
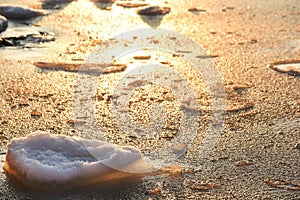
[[256, 151]]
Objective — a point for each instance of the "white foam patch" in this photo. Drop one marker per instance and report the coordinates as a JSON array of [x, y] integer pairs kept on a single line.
[[56, 159]]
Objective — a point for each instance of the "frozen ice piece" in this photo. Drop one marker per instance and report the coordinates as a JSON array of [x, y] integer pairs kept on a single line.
[[42, 161]]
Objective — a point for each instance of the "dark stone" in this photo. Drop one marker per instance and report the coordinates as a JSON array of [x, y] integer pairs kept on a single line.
[[19, 12], [3, 23]]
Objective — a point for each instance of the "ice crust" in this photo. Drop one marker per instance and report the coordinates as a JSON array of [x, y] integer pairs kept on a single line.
[[48, 159]]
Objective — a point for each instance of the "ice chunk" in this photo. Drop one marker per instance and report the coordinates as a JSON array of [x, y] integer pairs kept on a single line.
[[43, 160]]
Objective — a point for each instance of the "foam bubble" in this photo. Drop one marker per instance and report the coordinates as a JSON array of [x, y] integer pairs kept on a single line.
[[42, 160]]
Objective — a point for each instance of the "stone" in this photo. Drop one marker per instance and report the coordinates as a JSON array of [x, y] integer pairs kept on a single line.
[[3, 23], [19, 12], [154, 10]]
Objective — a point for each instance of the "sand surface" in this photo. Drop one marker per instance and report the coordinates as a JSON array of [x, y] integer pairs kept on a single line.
[[255, 156]]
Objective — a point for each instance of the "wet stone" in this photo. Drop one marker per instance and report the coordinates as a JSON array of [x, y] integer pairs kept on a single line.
[[3, 23], [19, 12], [196, 11]]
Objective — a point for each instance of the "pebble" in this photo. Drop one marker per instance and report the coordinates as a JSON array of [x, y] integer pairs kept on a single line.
[[3, 23], [297, 146], [196, 10], [19, 12], [283, 184], [154, 10], [36, 113]]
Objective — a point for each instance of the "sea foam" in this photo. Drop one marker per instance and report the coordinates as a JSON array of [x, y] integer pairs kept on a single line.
[[43, 160]]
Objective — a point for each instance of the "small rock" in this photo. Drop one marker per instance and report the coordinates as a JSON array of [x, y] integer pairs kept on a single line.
[[19, 12], [36, 114], [229, 7], [23, 104], [3, 23], [154, 191], [224, 9], [297, 146], [147, 57], [5, 121], [243, 163], [196, 10], [253, 41], [154, 10]]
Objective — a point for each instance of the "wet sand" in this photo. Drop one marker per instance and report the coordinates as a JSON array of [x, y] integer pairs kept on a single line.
[[256, 155]]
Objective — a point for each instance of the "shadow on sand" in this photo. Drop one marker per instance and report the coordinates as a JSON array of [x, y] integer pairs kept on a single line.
[[123, 189]]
